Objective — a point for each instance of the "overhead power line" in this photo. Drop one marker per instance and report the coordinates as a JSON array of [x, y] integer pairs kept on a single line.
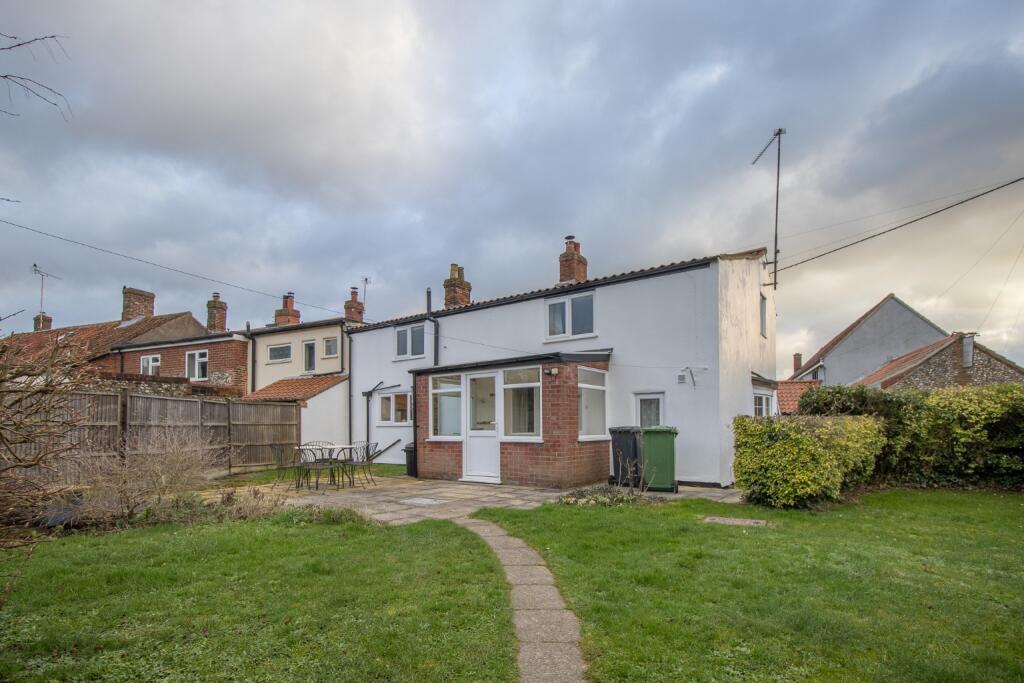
[[904, 224], [171, 269]]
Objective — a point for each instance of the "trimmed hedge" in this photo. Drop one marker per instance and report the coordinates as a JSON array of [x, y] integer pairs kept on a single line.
[[797, 461], [952, 436]]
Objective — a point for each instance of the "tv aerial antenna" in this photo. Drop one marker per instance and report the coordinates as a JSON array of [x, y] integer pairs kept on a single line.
[[42, 282], [366, 285], [776, 137]]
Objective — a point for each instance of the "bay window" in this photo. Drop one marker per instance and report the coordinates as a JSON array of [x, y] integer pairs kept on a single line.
[[522, 402], [446, 406], [592, 394]]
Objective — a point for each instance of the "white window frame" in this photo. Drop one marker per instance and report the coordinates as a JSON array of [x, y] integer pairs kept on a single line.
[[659, 395], [567, 300], [593, 437], [766, 403], [762, 312], [278, 346], [430, 406], [391, 397], [408, 342], [306, 343], [337, 347], [502, 436], [149, 357], [205, 356]]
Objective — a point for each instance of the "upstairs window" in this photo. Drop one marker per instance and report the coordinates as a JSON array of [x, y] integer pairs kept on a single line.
[[279, 353], [309, 356], [197, 365], [150, 365], [409, 342], [330, 347], [570, 316]]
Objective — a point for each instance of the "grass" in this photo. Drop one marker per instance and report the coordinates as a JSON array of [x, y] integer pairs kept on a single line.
[[902, 585], [280, 599], [270, 476]]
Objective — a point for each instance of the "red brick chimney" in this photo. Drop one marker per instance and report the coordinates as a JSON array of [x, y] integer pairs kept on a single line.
[[798, 361], [41, 322], [456, 289], [572, 266], [136, 303], [354, 307], [216, 314], [287, 314]]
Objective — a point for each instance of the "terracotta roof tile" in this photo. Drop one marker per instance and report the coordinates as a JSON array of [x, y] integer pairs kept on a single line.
[[297, 388], [789, 392]]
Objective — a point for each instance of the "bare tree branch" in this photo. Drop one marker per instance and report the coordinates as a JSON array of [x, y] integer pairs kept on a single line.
[[30, 87]]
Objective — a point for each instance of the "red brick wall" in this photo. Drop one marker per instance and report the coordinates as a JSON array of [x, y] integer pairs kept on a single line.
[[945, 369], [228, 362], [561, 461]]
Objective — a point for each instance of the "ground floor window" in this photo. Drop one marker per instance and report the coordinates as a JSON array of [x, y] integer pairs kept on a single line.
[[522, 402], [446, 405], [592, 397], [650, 410], [762, 405], [150, 365], [394, 409], [197, 364]]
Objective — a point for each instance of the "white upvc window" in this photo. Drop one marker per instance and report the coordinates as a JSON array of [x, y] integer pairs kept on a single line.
[[762, 405], [446, 408], [279, 353], [197, 365], [592, 404], [650, 409], [409, 342], [394, 409], [309, 356], [150, 365], [522, 404], [330, 347], [570, 317]]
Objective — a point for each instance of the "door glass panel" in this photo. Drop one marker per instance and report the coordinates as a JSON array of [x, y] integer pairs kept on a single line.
[[481, 404], [650, 412]]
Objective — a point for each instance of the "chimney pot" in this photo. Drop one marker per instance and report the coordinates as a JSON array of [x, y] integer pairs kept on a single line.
[[456, 289], [354, 307], [572, 265], [798, 361], [42, 322], [216, 314], [136, 303]]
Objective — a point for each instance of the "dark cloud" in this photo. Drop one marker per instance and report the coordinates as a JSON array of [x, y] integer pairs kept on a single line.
[[304, 146]]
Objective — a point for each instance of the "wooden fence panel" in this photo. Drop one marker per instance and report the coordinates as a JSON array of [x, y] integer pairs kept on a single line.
[[260, 430]]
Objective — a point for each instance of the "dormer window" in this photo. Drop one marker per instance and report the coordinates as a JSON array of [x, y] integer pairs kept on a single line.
[[570, 316], [409, 342]]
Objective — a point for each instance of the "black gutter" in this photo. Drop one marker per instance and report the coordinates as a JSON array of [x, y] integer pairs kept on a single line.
[[697, 264], [561, 357], [437, 330], [252, 359]]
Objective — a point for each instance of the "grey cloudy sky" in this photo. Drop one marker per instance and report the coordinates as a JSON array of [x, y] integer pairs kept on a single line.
[[300, 146]]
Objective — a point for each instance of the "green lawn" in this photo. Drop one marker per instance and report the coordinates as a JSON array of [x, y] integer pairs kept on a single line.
[[904, 585], [269, 600]]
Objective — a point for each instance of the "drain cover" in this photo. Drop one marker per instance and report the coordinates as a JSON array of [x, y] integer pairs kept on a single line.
[[423, 501]]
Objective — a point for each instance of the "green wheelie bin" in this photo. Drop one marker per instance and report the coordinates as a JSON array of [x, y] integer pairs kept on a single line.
[[659, 454]]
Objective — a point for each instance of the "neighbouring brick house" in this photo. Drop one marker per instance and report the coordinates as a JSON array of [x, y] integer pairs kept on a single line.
[[523, 389], [956, 360], [95, 342]]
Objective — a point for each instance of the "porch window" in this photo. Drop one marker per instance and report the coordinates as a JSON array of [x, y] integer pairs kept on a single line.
[[571, 316], [197, 365], [592, 395], [446, 406], [409, 342], [522, 402], [394, 409], [150, 365]]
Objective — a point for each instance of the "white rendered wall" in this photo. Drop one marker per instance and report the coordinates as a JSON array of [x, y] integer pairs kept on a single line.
[[325, 417]]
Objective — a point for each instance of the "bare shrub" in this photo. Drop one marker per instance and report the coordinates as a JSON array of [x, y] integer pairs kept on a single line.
[[158, 464]]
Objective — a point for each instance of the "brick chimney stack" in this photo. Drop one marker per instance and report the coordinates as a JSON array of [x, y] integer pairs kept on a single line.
[[216, 314], [41, 322], [287, 314], [456, 289], [136, 303], [354, 307], [572, 266], [798, 361]]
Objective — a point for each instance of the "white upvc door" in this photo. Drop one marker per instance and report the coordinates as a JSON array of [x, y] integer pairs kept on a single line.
[[481, 455]]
